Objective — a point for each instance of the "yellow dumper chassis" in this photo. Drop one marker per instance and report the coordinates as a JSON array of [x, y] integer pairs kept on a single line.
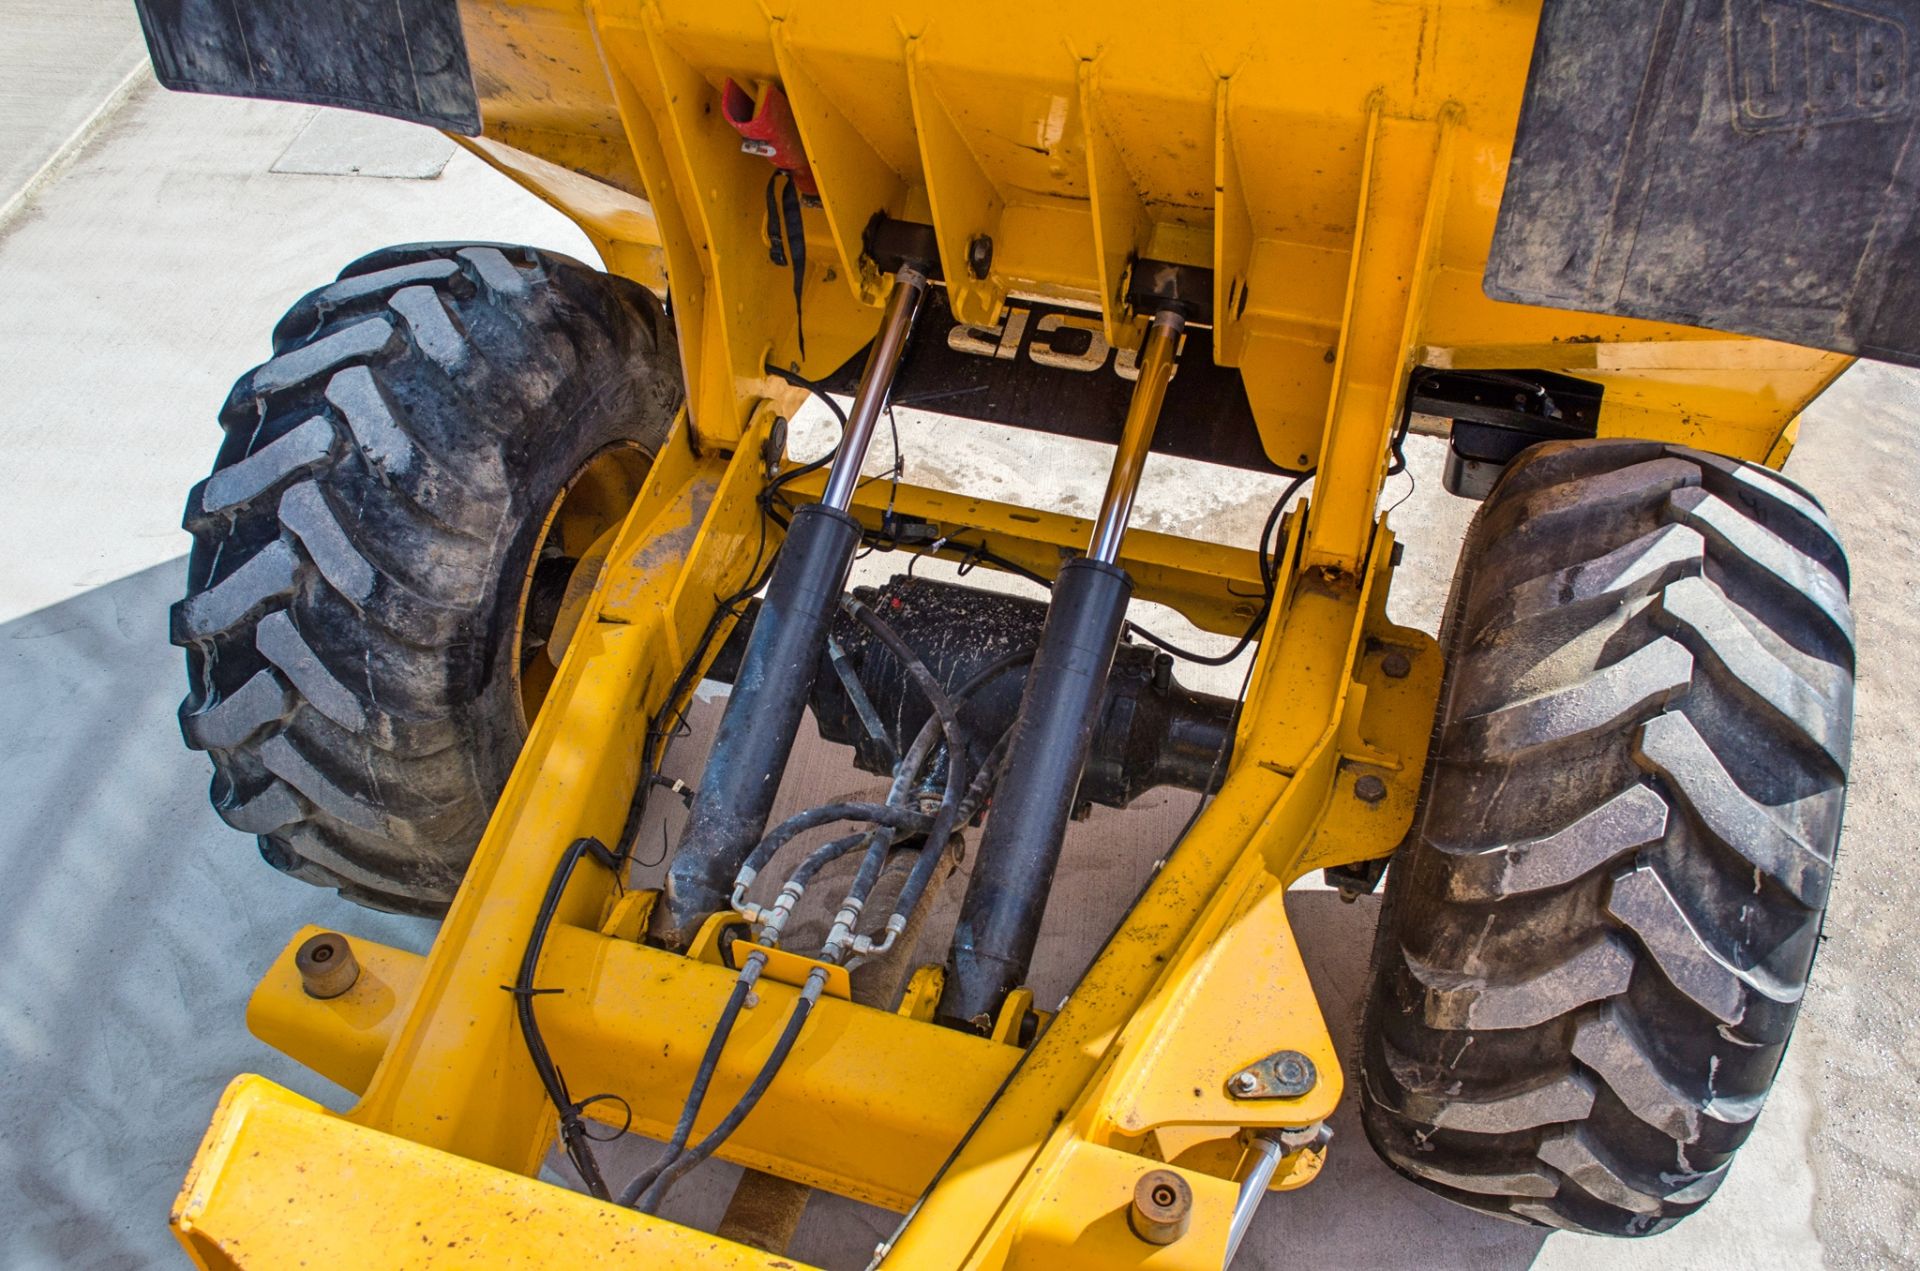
[[1012, 1152], [1193, 1050]]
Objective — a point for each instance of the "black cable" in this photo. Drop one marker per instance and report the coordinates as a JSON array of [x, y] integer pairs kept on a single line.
[[988, 776], [573, 1131], [929, 686], [1268, 586], [658, 729], [881, 842], [974, 554], [1396, 446], [812, 386], [702, 1078], [1219, 757]]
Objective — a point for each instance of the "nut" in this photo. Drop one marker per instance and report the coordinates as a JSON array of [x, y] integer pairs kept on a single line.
[[1162, 1207], [326, 964], [1243, 1083], [980, 257]]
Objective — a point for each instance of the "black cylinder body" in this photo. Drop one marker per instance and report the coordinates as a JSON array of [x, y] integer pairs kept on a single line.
[[1013, 870], [762, 717]]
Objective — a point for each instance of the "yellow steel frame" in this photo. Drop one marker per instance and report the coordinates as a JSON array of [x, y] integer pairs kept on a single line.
[[1337, 167], [1129, 1074]]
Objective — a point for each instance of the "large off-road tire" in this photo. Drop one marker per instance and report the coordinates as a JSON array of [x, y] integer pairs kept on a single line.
[[1595, 943], [363, 552]]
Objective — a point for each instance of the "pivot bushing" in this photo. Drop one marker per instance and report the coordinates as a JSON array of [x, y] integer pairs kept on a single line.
[[1162, 1207], [326, 964]]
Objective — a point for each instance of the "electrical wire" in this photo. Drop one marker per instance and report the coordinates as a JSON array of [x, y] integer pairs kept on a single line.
[[1268, 586], [574, 1136], [974, 554]]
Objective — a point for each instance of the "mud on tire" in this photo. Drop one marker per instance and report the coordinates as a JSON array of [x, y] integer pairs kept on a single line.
[[361, 549], [1594, 947]]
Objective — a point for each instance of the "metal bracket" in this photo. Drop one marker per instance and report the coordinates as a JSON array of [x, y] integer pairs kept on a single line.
[[1285, 1074], [1497, 414], [893, 244], [1156, 285]]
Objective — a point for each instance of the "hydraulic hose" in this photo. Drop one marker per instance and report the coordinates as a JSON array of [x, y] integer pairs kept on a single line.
[[679, 1166], [702, 1078], [762, 717]]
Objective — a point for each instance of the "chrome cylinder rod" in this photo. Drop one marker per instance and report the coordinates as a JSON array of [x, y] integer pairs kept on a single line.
[[876, 384], [1267, 1155], [1143, 413]]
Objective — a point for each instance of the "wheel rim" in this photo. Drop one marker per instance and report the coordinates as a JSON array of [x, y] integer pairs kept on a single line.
[[565, 564]]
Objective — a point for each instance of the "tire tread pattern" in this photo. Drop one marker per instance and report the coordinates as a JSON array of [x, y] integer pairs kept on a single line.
[[361, 540], [1592, 950]]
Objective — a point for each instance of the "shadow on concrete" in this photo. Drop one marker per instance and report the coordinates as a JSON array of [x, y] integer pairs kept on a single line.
[[1359, 1213], [135, 926]]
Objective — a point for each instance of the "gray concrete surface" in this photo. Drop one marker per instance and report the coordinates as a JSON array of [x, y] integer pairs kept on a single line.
[[136, 286], [67, 63]]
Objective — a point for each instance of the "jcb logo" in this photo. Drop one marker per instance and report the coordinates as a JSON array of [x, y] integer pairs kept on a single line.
[[1064, 341], [1806, 63]]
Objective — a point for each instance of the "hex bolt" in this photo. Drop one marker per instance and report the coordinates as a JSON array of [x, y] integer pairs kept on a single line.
[[1243, 1084], [327, 966], [1162, 1207], [979, 257], [1369, 789], [1396, 665]]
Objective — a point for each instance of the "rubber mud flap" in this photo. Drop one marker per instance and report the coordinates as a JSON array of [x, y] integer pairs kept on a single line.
[[1743, 165], [403, 58]]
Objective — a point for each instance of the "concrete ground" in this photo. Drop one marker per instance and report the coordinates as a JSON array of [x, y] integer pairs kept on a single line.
[[140, 275]]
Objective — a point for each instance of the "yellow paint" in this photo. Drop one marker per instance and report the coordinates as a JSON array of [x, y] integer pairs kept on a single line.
[[1201, 979], [1216, 587], [281, 1182], [1287, 145], [789, 968], [340, 1038]]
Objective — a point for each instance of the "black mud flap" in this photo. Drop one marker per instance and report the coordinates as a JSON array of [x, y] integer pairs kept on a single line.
[[1745, 165], [403, 58]]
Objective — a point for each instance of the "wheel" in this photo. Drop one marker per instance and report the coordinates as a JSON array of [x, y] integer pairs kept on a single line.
[[1593, 946], [380, 552]]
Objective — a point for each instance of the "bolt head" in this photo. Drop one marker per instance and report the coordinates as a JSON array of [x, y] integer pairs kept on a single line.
[[1243, 1083], [1370, 789], [1396, 665], [980, 257]]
